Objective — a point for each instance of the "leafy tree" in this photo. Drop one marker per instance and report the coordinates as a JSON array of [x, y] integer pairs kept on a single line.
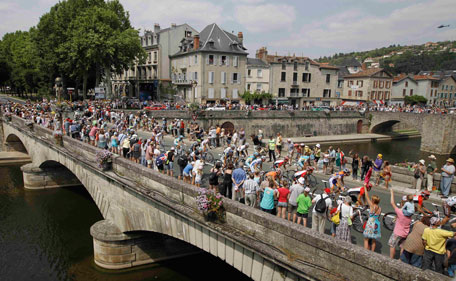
[[415, 99], [248, 96]]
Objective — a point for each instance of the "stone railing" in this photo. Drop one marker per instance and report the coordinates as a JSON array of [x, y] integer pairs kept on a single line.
[[293, 247]]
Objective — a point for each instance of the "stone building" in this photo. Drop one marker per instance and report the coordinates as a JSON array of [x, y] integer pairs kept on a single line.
[[370, 85], [151, 79], [300, 81], [403, 85], [447, 92], [428, 87], [210, 67]]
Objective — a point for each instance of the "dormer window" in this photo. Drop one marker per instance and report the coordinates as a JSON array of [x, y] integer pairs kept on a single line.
[[211, 43], [284, 65], [307, 65], [295, 66]]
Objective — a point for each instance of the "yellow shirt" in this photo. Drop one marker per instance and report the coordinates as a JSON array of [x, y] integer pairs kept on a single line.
[[435, 239]]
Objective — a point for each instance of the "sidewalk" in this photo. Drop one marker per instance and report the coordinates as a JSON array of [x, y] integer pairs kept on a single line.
[[350, 138]]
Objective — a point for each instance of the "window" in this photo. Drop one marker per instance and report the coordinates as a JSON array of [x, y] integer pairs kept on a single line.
[[196, 93], [248, 87], [349, 93], [210, 60], [307, 65], [211, 77], [294, 92], [380, 95], [406, 83], [235, 61], [284, 65], [411, 92], [328, 78], [443, 87], [259, 73], [326, 93], [404, 92], [235, 78], [295, 66], [305, 93], [295, 77], [359, 83], [387, 84], [306, 77], [387, 95], [380, 84], [210, 93], [281, 92], [249, 73], [223, 77], [283, 77], [195, 59], [372, 95], [222, 60], [375, 84], [359, 93], [235, 94], [259, 87], [223, 93]]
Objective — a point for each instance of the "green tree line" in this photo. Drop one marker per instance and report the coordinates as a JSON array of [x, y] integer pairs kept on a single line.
[[82, 41]]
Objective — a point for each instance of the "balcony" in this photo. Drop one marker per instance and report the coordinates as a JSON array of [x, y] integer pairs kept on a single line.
[[295, 95], [182, 82], [294, 84]]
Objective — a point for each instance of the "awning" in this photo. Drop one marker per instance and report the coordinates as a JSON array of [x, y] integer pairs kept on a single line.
[[350, 103], [282, 101]]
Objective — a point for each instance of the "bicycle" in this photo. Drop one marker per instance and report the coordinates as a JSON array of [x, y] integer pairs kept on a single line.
[[208, 157]]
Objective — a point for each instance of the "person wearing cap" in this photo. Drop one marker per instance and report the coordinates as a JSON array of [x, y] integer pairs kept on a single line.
[[434, 240], [319, 219], [304, 202], [169, 163], [290, 148], [401, 227], [449, 206], [447, 177], [420, 171], [413, 248], [378, 163], [295, 190], [430, 170], [317, 155]]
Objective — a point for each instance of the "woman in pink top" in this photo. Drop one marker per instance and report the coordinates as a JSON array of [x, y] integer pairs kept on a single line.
[[92, 134], [284, 194], [401, 228]]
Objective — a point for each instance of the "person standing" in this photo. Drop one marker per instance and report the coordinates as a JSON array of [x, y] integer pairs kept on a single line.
[[267, 202], [413, 248], [401, 228], [284, 195], [378, 168], [319, 211], [227, 184], [279, 141], [238, 178], [420, 171], [447, 177], [251, 190], [434, 240], [372, 231], [295, 190], [304, 203], [366, 164], [271, 148], [355, 166], [346, 217], [430, 170]]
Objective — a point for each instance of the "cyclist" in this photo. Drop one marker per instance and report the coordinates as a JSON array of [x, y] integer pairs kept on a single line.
[[179, 140], [302, 160], [419, 199], [241, 151], [249, 159], [303, 174], [358, 192], [449, 205], [257, 164], [337, 180], [281, 163]]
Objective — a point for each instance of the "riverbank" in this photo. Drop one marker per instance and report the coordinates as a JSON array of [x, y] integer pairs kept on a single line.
[[354, 138], [9, 158]]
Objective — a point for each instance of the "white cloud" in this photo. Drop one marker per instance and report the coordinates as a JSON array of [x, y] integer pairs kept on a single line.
[[267, 17], [353, 30], [197, 13]]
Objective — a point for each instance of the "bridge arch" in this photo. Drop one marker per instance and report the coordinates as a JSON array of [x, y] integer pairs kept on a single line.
[[384, 127], [14, 143]]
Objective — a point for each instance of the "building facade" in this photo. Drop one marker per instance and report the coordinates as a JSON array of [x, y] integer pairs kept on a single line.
[[447, 92], [403, 85], [152, 79], [210, 67], [428, 87], [257, 76], [371, 85], [300, 81]]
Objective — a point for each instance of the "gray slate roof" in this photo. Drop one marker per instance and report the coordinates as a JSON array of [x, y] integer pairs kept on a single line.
[[256, 62], [350, 62]]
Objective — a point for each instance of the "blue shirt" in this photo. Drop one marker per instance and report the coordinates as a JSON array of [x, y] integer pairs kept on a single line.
[[188, 168], [268, 199], [378, 163], [239, 175]]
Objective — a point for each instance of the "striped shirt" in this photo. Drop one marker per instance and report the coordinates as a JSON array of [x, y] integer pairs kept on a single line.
[[250, 186]]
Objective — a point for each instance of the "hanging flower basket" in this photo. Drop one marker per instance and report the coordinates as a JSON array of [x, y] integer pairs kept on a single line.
[[104, 159], [211, 205], [58, 137]]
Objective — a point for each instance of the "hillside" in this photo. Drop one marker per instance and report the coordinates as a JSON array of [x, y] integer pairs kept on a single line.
[[409, 59]]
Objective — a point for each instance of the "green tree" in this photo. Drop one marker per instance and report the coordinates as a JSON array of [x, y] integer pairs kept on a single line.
[[415, 99]]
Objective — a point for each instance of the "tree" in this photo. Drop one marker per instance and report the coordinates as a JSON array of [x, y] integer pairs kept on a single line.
[[415, 99]]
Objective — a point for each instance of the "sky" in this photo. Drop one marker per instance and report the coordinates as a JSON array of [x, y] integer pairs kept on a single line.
[[312, 28]]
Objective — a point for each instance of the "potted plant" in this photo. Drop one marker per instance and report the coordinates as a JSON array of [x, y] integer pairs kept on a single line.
[[104, 159], [58, 137], [210, 204]]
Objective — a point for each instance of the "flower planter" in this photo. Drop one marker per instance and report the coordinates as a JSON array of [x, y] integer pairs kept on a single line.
[[210, 216]]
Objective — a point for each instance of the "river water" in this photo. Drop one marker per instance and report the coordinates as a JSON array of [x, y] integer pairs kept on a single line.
[[44, 235], [395, 151]]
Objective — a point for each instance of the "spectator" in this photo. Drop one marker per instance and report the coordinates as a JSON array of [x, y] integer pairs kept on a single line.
[[304, 203], [284, 195], [372, 231], [377, 168], [346, 217], [238, 178], [447, 177], [430, 170], [401, 228], [251, 190], [420, 171], [319, 213], [413, 248], [295, 190], [267, 202]]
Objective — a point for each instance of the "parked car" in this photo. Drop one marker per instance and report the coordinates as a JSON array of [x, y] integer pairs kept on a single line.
[[156, 107], [216, 108]]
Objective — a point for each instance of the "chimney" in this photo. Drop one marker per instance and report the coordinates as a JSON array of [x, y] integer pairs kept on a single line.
[[156, 28], [196, 42], [262, 53], [173, 25], [241, 37], [364, 66]]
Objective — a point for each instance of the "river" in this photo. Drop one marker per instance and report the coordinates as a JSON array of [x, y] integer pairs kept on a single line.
[[44, 235], [395, 151]]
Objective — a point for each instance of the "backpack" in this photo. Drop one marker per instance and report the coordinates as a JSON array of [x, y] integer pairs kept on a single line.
[[182, 161], [159, 161], [136, 147], [320, 207], [212, 176]]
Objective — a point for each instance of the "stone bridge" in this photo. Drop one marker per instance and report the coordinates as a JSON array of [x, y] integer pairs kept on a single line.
[[139, 204], [438, 132]]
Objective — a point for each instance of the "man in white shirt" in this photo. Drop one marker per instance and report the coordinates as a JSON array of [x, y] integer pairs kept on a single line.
[[319, 218], [251, 190]]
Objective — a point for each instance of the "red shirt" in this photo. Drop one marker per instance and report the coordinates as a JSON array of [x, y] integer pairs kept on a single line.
[[283, 194]]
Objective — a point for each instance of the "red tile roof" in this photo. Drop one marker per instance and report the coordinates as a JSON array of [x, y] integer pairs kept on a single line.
[[366, 73], [425, 77]]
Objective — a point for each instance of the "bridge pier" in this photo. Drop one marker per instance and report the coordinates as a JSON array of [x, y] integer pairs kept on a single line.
[[116, 250], [41, 178]]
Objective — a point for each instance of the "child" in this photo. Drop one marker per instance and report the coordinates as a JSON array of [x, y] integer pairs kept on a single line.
[[304, 202], [198, 176]]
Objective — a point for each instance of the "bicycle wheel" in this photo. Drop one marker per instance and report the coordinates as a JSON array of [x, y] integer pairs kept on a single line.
[[389, 220], [209, 157], [359, 220], [312, 181]]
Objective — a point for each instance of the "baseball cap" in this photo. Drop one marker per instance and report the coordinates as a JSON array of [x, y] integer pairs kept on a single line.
[[434, 220], [307, 189], [301, 180], [327, 190]]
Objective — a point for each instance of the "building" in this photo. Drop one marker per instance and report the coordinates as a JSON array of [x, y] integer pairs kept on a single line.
[[428, 87], [257, 78], [370, 85], [447, 92], [151, 80], [210, 68], [300, 81], [403, 85], [347, 66]]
